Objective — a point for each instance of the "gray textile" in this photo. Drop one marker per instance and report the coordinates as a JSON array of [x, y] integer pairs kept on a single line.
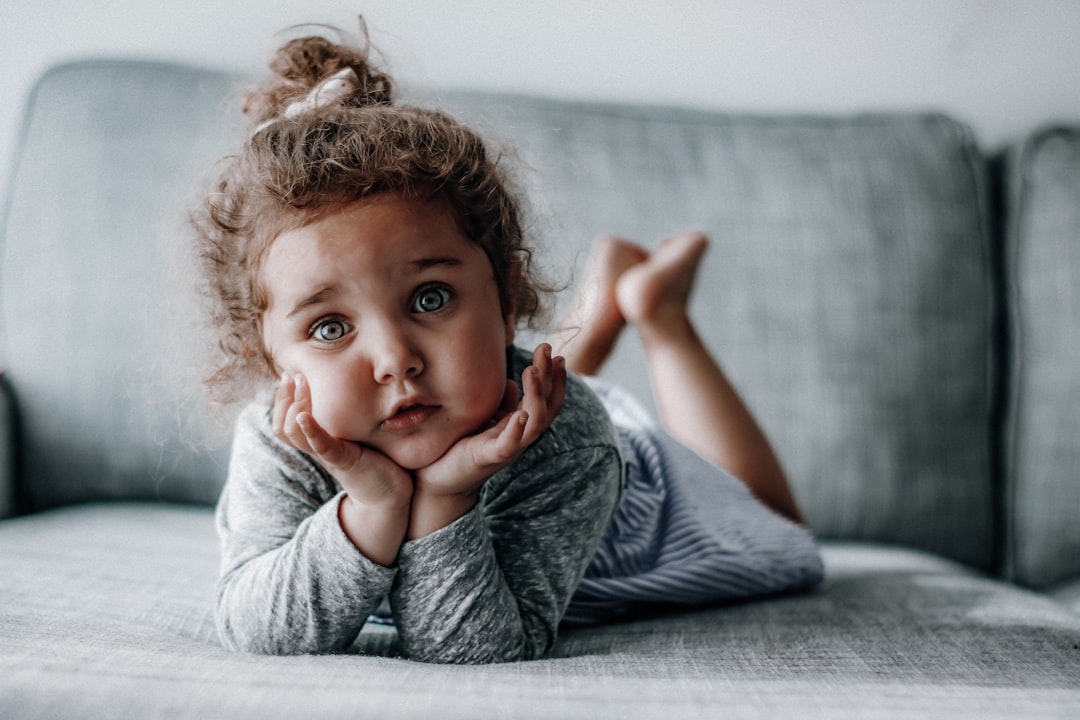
[[1043, 430], [491, 586], [7, 449], [1068, 594], [107, 611], [848, 277], [93, 251], [847, 292], [685, 533]]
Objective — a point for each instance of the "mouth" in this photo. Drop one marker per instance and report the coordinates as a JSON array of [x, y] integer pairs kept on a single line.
[[408, 416]]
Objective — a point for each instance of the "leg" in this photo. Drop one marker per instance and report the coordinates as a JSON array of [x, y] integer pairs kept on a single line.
[[697, 404], [586, 335]]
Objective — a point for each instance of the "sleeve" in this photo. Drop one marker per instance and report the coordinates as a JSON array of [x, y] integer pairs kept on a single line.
[[493, 586], [291, 581]]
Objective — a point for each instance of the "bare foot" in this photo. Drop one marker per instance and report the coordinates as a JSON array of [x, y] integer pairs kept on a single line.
[[586, 335], [653, 295]]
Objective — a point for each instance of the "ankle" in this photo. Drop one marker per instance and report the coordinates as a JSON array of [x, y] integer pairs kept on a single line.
[[673, 328]]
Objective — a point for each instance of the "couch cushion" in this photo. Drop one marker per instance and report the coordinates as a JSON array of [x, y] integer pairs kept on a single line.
[[98, 317], [847, 292], [106, 611], [7, 448], [1068, 594], [1043, 424]]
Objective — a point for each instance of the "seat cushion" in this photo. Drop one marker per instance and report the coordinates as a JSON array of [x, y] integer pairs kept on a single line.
[[106, 611], [1042, 266]]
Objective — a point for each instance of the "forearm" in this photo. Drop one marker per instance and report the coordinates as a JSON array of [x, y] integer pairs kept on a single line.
[[377, 531], [452, 602], [432, 511], [311, 593], [492, 586]]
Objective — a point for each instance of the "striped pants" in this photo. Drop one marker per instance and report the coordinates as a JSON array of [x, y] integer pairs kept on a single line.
[[685, 532]]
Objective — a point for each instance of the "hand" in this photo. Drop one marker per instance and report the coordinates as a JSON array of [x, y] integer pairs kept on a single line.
[[517, 425], [369, 477]]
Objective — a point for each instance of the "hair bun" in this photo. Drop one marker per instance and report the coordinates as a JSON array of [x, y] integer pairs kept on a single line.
[[308, 70]]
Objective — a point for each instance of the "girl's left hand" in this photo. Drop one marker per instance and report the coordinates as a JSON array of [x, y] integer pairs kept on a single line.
[[473, 459]]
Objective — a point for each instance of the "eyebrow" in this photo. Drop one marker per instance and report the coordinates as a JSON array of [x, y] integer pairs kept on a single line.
[[417, 265], [315, 299], [425, 263]]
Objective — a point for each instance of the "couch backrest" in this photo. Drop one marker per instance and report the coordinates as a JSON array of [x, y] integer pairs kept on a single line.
[[848, 291], [1042, 264], [97, 326]]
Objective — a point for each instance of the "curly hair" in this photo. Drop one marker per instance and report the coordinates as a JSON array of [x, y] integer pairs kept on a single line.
[[297, 166]]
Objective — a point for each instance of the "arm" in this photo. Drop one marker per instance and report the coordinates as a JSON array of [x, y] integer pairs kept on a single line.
[[374, 513], [291, 580], [450, 487], [493, 585]]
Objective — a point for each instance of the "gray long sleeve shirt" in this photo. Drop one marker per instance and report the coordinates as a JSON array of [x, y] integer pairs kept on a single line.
[[491, 586]]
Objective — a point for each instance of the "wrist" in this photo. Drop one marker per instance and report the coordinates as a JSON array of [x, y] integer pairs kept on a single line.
[[377, 529], [433, 510]]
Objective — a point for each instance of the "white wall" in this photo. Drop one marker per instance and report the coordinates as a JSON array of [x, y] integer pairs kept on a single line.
[[1002, 66]]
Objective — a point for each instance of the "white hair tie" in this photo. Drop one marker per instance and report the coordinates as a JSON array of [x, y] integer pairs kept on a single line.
[[327, 92]]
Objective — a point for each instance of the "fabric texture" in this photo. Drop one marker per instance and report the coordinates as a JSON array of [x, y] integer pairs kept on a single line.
[[100, 331], [847, 294], [7, 450], [1043, 426], [107, 611], [1068, 594], [847, 291], [685, 532], [491, 586]]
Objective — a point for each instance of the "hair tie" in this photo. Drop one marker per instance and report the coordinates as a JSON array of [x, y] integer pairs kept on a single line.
[[329, 91]]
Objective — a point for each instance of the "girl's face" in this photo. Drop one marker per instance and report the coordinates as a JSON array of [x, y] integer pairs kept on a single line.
[[393, 317]]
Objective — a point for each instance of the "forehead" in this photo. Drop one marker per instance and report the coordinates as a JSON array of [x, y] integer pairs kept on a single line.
[[379, 238]]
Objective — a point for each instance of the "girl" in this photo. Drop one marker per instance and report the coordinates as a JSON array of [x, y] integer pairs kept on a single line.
[[369, 258]]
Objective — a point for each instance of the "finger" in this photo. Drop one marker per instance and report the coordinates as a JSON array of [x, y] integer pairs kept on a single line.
[[510, 443], [534, 403], [282, 400], [331, 452], [301, 403], [558, 387], [542, 362]]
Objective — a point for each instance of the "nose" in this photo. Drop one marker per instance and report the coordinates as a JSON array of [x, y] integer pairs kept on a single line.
[[394, 355]]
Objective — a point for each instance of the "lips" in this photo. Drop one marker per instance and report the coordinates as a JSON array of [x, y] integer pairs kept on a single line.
[[408, 416]]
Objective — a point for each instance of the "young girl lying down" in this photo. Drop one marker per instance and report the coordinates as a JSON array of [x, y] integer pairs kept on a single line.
[[367, 262]]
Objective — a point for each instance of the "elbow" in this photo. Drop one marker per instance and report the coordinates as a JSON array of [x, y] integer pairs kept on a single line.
[[239, 631], [479, 650], [240, 637]]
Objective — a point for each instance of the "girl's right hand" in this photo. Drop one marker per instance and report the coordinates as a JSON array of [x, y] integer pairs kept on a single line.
[[369, 477]]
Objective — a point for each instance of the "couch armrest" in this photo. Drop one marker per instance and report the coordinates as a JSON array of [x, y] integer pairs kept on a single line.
[[7, 448]]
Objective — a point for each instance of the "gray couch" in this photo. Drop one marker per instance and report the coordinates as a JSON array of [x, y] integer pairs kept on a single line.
[[901, 310]]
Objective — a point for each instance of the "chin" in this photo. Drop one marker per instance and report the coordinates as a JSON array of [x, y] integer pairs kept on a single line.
[[415, 458]]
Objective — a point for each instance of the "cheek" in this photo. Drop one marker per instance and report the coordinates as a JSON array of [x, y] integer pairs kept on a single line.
[[485, 371], [330, 403]]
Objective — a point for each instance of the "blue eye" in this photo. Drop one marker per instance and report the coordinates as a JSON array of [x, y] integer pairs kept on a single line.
[[329, 330], [430, 299]]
